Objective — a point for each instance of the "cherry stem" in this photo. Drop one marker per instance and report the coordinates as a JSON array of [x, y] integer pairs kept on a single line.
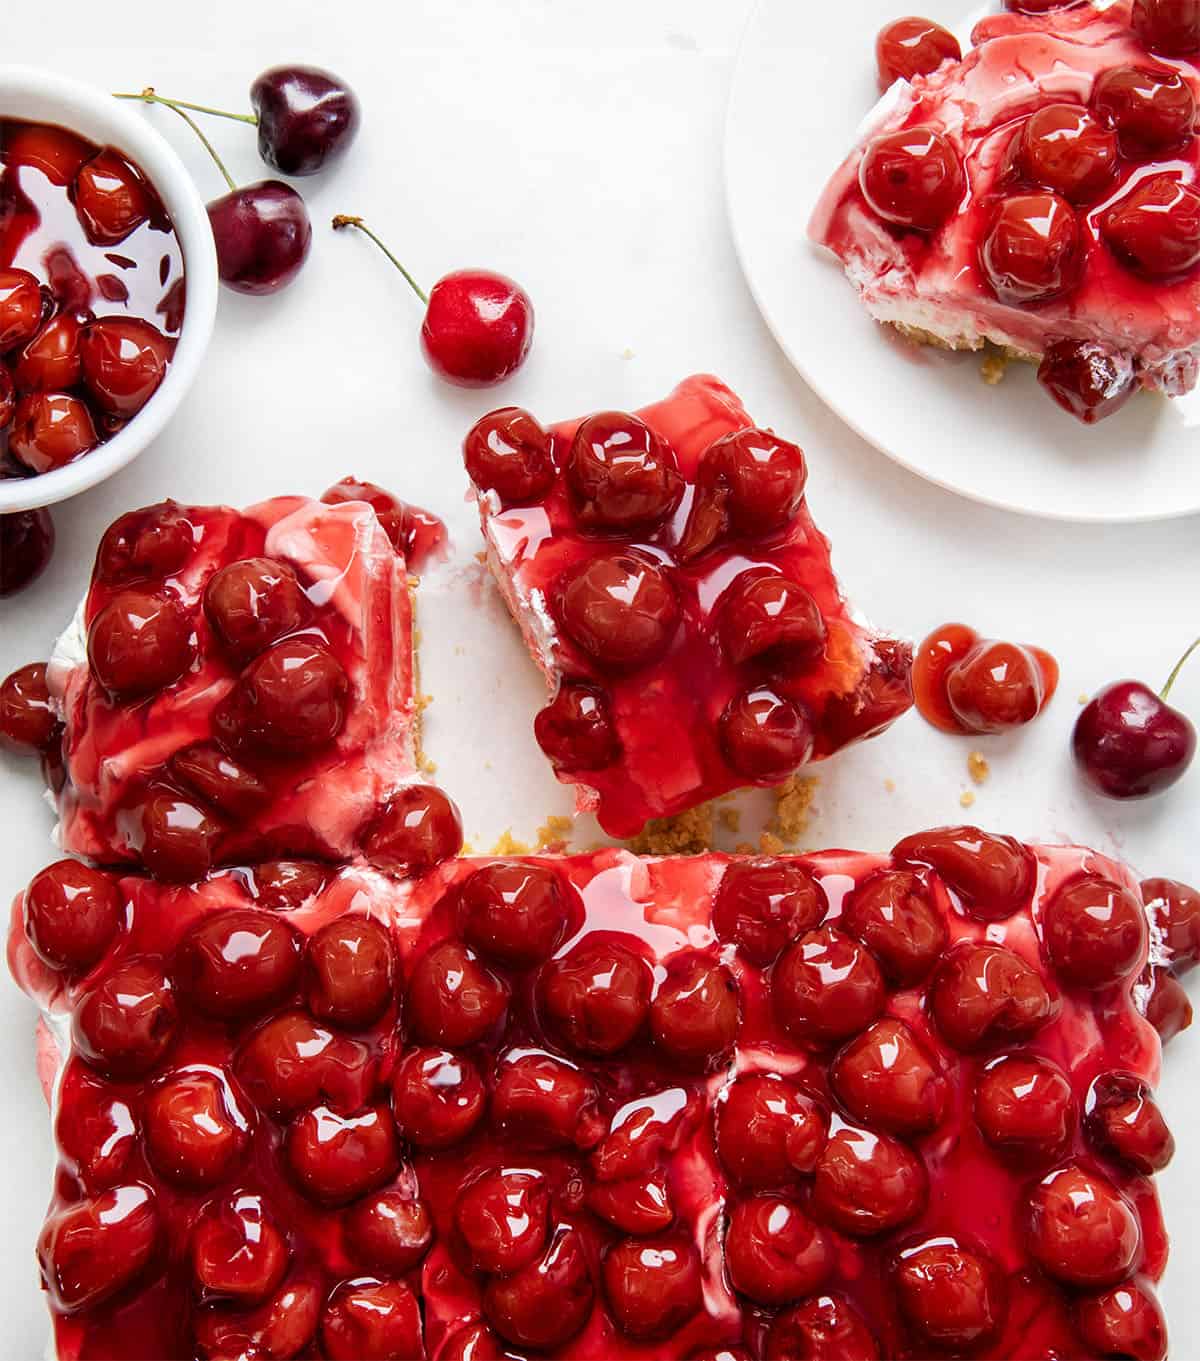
[[149, 97], [1179, 665], [250, 118], [347, 220]]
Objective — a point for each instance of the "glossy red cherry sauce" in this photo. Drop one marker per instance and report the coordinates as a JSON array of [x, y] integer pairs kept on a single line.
[[92, 294], [603, 1106], [283, 739], [668, 710], [963, 683], [1145, 321]]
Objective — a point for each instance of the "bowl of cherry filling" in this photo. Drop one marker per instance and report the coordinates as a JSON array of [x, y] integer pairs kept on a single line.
[[108, 286]]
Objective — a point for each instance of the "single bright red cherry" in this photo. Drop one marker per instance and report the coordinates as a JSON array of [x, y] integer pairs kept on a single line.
[[653, 1285], [638, 1206], [984, 994], [372, 1320], [773, 620], [826, 988], [219, 779], [124, 359], [888, 1078], [252, 604], [1155, 228], [766, 737], [126, 1023], [1169, 27], [237, 1250], [913, 47], [1025, 1108], [139, 643], [892, 915], [1168, 1007], [1152, 108], [389, 1232], [335, 1158], [545, 1103], [416, 533], [642, 1131], [96, 1129], [912, 178], [51, 361], [1175, 909], [92, 1249], [50, 430], [502, 1217], [1123, 1120], [453, 998], [867, 1184], [174, 837], [437, 1097], [1126, 1320], [768, 1131], [824, 1326], [263, 235], [547, 1302], [994, 876], [762, 905], [350, 971], [774, 1253], [998, 686], [26, 546], [620, 608], [1095, 932], [951, 1297], [72, 915], [1080, 1229], [1061, 147], [1087, 379], [417, 828], [1129, 742], [195, 1127], [621, 475], [286, 885], [237, 963], [597, 996], [289, 701], [20, 307], [307, 118], [8, 400], [508, 452], [283, 1325], [111, 198], [290, 1063], [1033, 251], [27, 720], [514, 913], [694, 1015], [54, 151], [143, 544], [576, 729]]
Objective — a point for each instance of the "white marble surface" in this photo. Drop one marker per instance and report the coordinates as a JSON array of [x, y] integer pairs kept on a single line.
[[576, 147]]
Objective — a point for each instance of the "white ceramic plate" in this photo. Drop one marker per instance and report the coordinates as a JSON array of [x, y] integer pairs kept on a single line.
[[805, 79]]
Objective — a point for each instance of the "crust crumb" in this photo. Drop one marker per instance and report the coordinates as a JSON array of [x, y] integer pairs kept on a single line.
[[425, 765], [744, 848], [966, 798], [977, 767], [689, 833], [890, 786], [794, 807], [554, 833], [1083, 699], [467, 849], [730, 819], [770, 844], [423, 702], [509, 845], [994, 367]]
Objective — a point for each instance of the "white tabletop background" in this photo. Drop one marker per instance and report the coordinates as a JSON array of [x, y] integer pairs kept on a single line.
[[577, 147]]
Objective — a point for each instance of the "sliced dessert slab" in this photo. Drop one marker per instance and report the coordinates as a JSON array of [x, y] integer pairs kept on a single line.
[[603, 1106], [672, 586]]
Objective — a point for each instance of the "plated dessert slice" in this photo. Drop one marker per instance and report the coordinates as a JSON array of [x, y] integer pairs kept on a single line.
[[603, 1106], [236, 685], [672, 586], [1039, 194]]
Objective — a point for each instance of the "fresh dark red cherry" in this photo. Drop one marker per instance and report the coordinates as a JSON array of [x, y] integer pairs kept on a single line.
[[912, 178], [219, 779], [27, 720], [653, 1285], [508, 452], [867, 1184], [237, 963], [478, 324], [417, 828], [150, 543], [20, 307], [768, 1131], [950, 1297], [111, 198], [1095, 932], [620, 608], [1126, 1320], [389, 1232], [774, 1253], [1025, 1108], [621, 475], [1130, 743], [1061, 147], [365, 1319], [1123, 1120], [306, 118], [252, 604], [547, 1302], [984, 995], [139, 643], [892, 915], [771, 619], [195, 1128], [887, 1077], [237, 1250], [913, 47], [174, 837], [51, 361], [764, 736], [1080, 1229], [694, 1015], [337, 1158], [1152, 108], [826, 987], [289, 701], [597, 996], [1176, 912], [453, 998], [762, 905], [514, 913], [1169, 27], [91, 1250], [50, 430], [1087, 379], [290, 1063], [72, 915], [994, 876], [125, 1024], [263, 235], [437, 1098], [823, 1326], [1033, 250], [350, 971], [123, 359], [502, 1217], [1155, 228], [26, 546], [576, 730]]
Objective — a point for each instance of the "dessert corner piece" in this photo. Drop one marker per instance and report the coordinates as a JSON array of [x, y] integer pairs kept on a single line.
[[1039, 195], [670, 583], [601, 1106]]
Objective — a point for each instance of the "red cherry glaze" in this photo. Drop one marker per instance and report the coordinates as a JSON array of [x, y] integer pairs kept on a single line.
[[1087, 380], [1155, 228], [219, 779], [1168, 27], [1176, 911], [50, 430], [913, 178], [547, 1302], [72, 915], [478, 328], [26, 546], [950, 1296], [418, 828], [653, 1285], [96, 1129], [1124, 1121], [770, 619], [437, 1098], [1124, 1321], [237, 963], [173, 837], [546, 1103], [1080, 1229], [515, 914], [502, 1218], [350, 971], [124, 360], [762, 905], [111, 198], [913, 47], [1025, 1108], [125, 1024], [237, 1250], [1151, 107], [290, 1062], [887, 1077], [196, 1128], [139, 643], [774, 1253], [93, 1249], [984, 995], [286, 885], [27, 720], [694, 1015], [20, 307], [291, 700], [145, 544], [252, 604], [335, 1159], [596, 997], [892, 915], [51, 362], [508, 452], [619, 608], [576, 730], [767, 1131], [966, 684], [371, 1320], [1095, 932], [1033, 251], [867, 1184], [766, 737], [388, 1232], [1062, 148], [453, 998], [826, 987], [822, 1327], [993, 875]]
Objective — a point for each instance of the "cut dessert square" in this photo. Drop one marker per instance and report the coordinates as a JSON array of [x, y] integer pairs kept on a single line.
[[236, 685], [670, 583], [603, 1106], [1038, 194]]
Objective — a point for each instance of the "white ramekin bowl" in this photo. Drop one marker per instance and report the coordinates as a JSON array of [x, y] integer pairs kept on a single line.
[[45, 97]]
